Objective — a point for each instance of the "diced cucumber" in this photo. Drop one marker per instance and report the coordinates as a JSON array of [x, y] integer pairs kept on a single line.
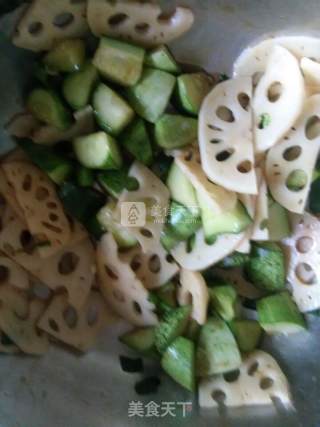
[[161, 166], [223, 300], [247, 333], [279, 314], [140, 340], [167, 293], [112, 112], [265, 268], [176, 131], [136, 140], [181, 189], [193, 330], [151, 95], [179, 362], [115, 181], [162, 59], [234, 260], [183, 222], [173, 325], [118, 61], [278, 221], [77, 87], [192, 89], [85, 177], [67, 56], [168, 239], [56, 166], [217, 350], [314, 198], [47, 107]]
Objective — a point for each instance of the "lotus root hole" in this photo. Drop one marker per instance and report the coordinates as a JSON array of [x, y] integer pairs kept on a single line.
[[111, 273], [63, 20], [136, 262], [137, 307], [117, 19], [70, 317], [231, 377], [274, 92], [42, 194], [253, 368], [142, 28], [68, 263], [146, 233], [245, 166], [292, 153], [4, 273], [312, 129], [224, 155], [219, 396], [266, 383], [27, 183], [304, 244], [154, 264], [224, 113], [305, 273], [92, 314], [53, 325], [244, 100], [35, 28]]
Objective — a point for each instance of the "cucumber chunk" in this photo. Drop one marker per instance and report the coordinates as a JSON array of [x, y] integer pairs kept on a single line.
[[151, 95], [112, 112], [118, 61], [265, 268], [223, 301], [97, 151], [115, 181], [85, 177], [247, 333], [279, 314], [167, 293], [173, 325], [234, 260], [136, 140], [140, 340], [217, 350], [77, 87], [181, 189], [168, 240], [176, 131], [193, 330], [183, 222], [161, 166], [162, 59], [179, 362], [192, 89], [47, 107], [278, 222], [67, 56], [314, 199]]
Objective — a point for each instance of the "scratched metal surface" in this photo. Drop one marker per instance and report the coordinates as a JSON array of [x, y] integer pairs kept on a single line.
[[64, 390]]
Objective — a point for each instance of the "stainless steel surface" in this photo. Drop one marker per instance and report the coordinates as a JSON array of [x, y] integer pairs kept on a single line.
[[66, 390]]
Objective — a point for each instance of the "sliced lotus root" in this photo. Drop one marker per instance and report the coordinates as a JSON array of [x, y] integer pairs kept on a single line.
[[259, 381], [278, 99], [260, 226], [139, 22], [254, 59], [8, 193], [219, 199], [22, 125], [18, 320], [41, 206], [120, 286], [311, 72], [77, 328], [290, 163], [193, 290], [155, 196], [198, 255], [7, 346], [47, 21], [154, 268], [12, 273], [225, 136]]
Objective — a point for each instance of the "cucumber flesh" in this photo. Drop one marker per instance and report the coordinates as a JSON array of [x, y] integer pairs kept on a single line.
[[173, 325], [167, 293], [151, 95], [179, 362], [168, 239], [223, 300], [247, 333], [181, 189], [67, 56], [112, 112], [162, 59], [115, 181], [192, 89], [183, 222], [77, 87], [97, 151], [279, 314], [278, 221], [193, 330], [85, 177], [176, 131], [140, 340], [136, 140], [47, 107], [118, 61], [217, 350]]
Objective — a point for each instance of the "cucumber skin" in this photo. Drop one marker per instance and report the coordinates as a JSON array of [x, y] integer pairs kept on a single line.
[[115, 181], [314, 203], [181, 189], [167, 293], [247, 333], [200, 84], [278, 222], [85, 177], [162, 59], [140, 340], [175, 131], [222, 301], [55, 61], [234, 260], [136, 140]]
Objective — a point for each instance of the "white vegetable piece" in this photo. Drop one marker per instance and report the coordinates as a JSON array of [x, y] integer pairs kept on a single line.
[[260, 226], [141, 23], [303, 252], [13, 274], [225, 136], [47, 21], [278, 99], [120, 286], [203, 255], [295, 154], [311, 72], [260, 380], [193, 285]]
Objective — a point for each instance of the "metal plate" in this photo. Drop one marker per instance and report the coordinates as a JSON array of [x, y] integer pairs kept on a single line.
[[65, 390]]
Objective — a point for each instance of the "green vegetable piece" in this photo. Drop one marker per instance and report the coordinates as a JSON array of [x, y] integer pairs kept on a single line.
[[162, 59], [264, 120], [151, 95], [136, 140], [85, 177], [168, 239], [247, 333], [297, 180], [97, 151], [115, 181], [182, 221], [161, 166], [217, 350], [278, 221], [77, 87], [118, 61], [181, 189], [193, 330], [112, 112], [192, 89], [234, 260], [314, 198], [67, 56], [179, 362], [94, 228], [167, 293], [266, 266], [47, 107], [173, 325], [223, 301], [279, 314], [175, 131], [140, 340]]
